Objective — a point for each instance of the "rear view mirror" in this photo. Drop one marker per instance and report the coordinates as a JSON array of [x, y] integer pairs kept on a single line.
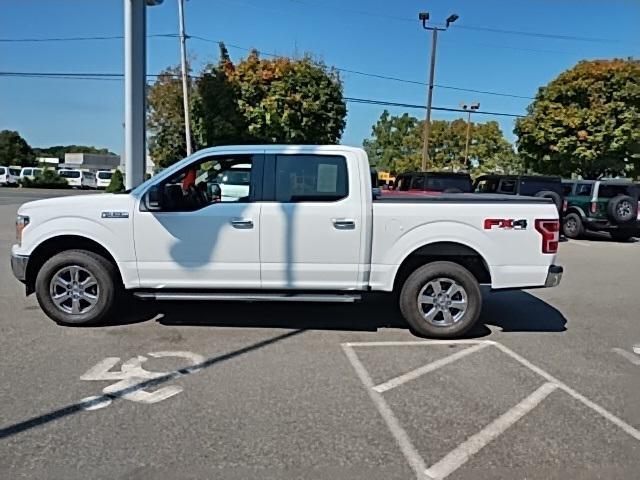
[[153, 198], [215, 192]]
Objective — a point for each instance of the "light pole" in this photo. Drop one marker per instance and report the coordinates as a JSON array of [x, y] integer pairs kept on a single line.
[[185, 79], [424, 17], [469, 109], [135, 89]]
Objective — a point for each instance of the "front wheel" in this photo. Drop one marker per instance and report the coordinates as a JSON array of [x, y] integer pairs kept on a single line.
[[77, 287], [572, 226], [441, 300]]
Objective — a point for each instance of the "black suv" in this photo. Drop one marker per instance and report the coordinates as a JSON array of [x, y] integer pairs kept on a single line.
[[529, 185], [608, 205]]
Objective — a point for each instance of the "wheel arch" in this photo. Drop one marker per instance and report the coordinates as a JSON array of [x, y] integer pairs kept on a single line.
[[54, 245], [451, 251]]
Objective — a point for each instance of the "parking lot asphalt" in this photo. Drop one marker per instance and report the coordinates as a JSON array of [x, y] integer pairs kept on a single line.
[[546, 386]]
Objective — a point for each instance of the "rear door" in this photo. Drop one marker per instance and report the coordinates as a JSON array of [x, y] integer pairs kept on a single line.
[[311, 222]]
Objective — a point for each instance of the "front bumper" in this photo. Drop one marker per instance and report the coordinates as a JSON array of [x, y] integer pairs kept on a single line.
[[19, 266], [554, 276]]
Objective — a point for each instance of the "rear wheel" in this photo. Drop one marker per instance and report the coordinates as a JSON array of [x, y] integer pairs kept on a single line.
[[441, 300], [572, 226], [77, 287]]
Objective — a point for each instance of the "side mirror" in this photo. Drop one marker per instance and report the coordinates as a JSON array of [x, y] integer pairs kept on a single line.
[[153, 198], [215, 192]]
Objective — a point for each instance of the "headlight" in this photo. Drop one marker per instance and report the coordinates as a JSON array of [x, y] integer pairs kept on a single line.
[[21, 222]]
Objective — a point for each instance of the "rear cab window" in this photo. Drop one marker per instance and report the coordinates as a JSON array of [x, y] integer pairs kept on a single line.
[[311, 178], [507, 186]]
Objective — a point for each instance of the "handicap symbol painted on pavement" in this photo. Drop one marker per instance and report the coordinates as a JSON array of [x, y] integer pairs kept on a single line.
[[132, 374]]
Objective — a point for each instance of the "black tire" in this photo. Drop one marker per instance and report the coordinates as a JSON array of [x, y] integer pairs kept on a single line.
[[621, 235], [572, 226], [420, 280], [622, 209], [554, 196], [106, 291]]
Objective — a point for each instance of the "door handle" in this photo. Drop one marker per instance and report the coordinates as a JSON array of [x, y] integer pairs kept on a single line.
[[343, 224], [242, 223]]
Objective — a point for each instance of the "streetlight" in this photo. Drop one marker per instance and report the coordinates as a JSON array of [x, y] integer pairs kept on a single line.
[[135, 89], [185, 80], [424, 18], [469, 109]]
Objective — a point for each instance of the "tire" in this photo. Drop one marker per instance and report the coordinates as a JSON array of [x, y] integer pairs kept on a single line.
[[557, 199], [622, 209], [572, 226], [621, 235], [63, 267], [420, 284]]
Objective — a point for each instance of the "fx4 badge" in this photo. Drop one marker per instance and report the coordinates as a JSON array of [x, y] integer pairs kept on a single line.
[[505, 223], [115, 214]]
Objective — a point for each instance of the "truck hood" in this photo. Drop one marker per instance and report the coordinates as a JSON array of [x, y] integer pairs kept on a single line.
[[75, 205]]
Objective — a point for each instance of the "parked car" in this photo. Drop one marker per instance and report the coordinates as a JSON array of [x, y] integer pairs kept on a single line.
[[30, 173], [527, 185], [103, 178], [77, 178], [609, 205], [9, 176], [431, 183], [307, 230]]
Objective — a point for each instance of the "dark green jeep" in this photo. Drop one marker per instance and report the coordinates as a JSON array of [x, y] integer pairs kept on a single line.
[[609, 205]]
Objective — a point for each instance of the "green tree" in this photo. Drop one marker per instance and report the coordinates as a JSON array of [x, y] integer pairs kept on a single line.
[[396, 144], [289, 101], [48, 179], [14, 150], [165, 120], [117, 183], [59, 151], [586, 121]]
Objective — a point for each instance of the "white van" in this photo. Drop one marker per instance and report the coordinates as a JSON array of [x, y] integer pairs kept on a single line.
[[30, 173], [103, 178], [9, 176], [77, 178]]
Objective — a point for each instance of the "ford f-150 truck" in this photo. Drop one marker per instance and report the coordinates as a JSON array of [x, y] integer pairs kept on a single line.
[[306, 228]]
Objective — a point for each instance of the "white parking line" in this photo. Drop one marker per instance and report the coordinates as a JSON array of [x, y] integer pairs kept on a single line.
[[457, 457], [401, 437], [594, 406], [635, 359], [463, 452], [430, 367]]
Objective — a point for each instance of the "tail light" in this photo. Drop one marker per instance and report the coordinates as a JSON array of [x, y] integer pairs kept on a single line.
[[594, 207], [550, 231], [565, 205]]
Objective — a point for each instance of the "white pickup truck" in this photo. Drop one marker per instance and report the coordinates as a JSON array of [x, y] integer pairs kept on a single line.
[[307, 228]]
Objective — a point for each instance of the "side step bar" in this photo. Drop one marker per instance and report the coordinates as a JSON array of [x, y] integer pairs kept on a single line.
[[252, 297]]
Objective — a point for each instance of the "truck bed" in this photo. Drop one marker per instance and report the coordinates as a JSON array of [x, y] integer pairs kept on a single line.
[[460, 198]]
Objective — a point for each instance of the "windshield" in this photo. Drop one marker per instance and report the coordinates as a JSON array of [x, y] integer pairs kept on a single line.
[[69, 173], [105, 175]]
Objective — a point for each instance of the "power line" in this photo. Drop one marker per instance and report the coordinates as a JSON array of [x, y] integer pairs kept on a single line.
[[119, 77], [422, 107]]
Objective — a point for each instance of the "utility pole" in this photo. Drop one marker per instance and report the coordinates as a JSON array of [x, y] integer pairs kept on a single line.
[[424, 17], [135, 151], [469, 109], [185, 79]]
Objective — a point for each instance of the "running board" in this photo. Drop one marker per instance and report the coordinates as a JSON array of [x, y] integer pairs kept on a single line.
[[251, 297]]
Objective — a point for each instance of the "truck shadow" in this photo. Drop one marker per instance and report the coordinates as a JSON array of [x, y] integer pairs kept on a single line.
[[511, 311]]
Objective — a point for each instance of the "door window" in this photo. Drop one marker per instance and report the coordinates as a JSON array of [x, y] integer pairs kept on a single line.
[[210, 180], [507, 186], [487, 185], [311, 178], [584, 189]]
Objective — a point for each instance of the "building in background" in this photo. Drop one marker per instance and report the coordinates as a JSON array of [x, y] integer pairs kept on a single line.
[[90, 161], [48, 161]]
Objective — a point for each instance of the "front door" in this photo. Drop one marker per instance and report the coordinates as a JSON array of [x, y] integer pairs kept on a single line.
[[208, 232], [311, 223]]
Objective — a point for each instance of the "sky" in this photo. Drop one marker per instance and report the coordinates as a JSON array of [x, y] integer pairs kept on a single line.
[[506, 46]]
